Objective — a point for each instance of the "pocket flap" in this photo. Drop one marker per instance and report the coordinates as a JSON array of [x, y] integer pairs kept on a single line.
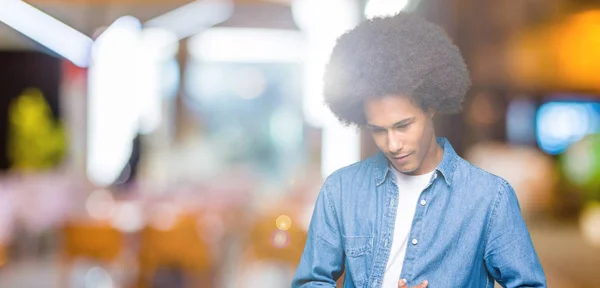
[[357, 245]]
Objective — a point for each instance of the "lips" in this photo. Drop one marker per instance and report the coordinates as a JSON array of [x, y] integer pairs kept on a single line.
[[402, 157]]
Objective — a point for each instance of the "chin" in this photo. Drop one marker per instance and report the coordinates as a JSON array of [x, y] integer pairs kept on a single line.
[[406, 168], [408, 171]]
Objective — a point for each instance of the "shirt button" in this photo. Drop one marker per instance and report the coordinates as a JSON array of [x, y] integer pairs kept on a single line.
[[386, 243], [434, 176], [423, 202], [414, 241]]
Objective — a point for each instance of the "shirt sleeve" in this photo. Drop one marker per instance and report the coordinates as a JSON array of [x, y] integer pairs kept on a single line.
[[509, 253], [322, 261]]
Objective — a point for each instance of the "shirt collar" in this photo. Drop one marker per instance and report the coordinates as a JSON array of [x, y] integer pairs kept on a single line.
[[446, 167]]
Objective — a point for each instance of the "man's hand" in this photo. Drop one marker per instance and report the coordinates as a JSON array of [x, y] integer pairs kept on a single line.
[[402, 284]]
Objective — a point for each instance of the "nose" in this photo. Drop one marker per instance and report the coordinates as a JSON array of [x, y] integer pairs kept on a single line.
[[394, 143]]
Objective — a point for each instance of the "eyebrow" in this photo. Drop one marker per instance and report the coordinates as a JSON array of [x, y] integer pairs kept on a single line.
[[399, 123]]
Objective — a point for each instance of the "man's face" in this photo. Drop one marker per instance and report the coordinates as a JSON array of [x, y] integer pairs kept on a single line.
[[402, 131]]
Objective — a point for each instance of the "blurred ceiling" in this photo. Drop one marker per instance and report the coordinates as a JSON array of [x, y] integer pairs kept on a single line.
[[88, 15]]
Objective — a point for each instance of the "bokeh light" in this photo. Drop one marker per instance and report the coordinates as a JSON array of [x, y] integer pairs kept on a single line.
[[283, 222], [581, 164], [98, 278], [280, 239], [164, 217], [128, 217], [100, 204], [381, 8], [251, 83], [561, 123], [577, 49], [590, 224]]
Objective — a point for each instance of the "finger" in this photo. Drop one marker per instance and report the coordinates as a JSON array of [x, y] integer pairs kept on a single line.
[[422, 285], [402, 283]]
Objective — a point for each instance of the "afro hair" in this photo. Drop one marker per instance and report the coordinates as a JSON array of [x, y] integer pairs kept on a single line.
[[398, 55]]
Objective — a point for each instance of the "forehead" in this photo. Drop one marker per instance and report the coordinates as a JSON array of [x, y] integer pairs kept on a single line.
[[389, 109]]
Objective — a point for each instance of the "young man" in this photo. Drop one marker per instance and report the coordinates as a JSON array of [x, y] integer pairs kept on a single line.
[[415, 214]]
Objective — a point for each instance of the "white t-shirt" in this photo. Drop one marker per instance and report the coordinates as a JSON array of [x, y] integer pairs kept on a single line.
[[409, 191]]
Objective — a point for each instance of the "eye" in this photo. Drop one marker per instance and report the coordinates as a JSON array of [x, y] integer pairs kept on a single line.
[[403, 127], [377, 130]]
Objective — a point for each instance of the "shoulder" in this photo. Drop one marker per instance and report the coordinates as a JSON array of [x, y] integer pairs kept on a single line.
[[472, 178], [358, 169], [349, 178]]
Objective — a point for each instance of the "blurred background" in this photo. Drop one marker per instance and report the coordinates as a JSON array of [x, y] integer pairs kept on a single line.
[[155, 143]]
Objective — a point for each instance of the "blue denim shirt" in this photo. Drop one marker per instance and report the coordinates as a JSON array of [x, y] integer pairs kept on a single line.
[[468, 233]]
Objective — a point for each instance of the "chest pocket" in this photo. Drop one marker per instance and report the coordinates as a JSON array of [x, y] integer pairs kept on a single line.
[[358, 251]]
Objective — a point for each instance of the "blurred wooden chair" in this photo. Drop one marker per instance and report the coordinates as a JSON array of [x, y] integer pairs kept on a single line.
[[267, 242], [96, 241], [273, 247], [3, 257], [179, 246]]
